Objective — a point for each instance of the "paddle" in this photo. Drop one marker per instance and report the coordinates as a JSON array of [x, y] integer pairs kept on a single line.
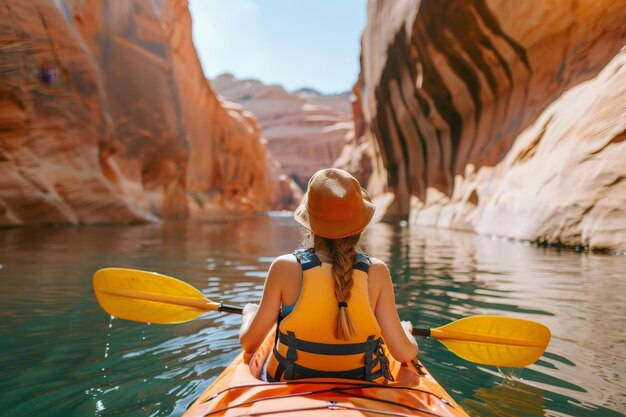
[[492, 340], [154, 298]]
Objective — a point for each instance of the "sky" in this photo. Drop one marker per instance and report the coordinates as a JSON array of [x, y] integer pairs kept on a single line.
[[294, 43]]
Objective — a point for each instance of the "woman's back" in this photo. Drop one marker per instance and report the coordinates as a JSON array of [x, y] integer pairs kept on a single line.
[[307, 336], [381, 298], [315, 308]]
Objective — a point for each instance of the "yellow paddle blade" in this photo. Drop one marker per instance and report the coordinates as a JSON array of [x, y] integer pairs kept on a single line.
[[495, 340], [148, 297]]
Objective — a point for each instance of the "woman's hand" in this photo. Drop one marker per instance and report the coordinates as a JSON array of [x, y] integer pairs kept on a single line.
[[249, 308], [248, 313], [408, 329]]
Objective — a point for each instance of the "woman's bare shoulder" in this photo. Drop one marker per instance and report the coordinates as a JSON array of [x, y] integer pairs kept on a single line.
[[378, 272], [286, 258], [285, 264], [377, 264]]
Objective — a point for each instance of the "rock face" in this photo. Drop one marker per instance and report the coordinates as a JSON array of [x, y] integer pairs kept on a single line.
[[305, 130], [106, 117], [500, 117]]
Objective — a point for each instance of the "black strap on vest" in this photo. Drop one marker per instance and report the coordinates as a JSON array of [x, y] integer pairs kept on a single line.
[[292, 370], [325, 348], [362, 262], [308, 259]]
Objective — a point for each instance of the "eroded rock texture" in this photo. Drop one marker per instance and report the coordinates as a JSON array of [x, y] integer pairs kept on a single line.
[[105, 116], [500, 117], [305, 130]]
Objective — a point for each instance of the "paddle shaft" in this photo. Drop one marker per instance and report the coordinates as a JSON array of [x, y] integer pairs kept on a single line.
[[421, 331], [230, 309], [426, 331]]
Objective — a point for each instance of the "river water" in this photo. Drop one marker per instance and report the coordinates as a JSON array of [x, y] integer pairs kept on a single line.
[[60, 355]]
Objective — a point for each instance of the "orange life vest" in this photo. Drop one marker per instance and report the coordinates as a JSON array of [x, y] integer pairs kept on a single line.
[[306, 346]]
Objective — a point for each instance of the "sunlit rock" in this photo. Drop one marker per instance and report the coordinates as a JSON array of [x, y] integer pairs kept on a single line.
[[499, 117], [106, 117], [305, 130]]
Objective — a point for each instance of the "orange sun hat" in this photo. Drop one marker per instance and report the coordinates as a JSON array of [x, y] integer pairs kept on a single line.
[[334, 205]]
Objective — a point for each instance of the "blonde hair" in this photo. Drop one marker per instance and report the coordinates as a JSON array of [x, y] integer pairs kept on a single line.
[[343, 251]]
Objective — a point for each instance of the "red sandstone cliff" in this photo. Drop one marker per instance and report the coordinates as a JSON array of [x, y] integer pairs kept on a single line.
[[305, 130], [500, 117], [106, 117]]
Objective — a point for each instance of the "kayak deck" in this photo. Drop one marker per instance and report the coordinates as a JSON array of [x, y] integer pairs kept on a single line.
[[238, 391]]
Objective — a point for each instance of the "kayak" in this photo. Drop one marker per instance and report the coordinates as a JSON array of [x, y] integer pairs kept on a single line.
[[240, 391], [149, 297]]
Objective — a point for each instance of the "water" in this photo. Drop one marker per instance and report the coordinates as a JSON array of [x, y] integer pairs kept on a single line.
[[60, 355]]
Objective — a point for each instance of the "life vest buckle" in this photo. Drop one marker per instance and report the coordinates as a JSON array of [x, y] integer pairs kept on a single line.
[[292, 347], [384, 361]]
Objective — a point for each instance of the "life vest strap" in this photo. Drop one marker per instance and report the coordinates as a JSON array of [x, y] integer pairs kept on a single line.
[[328, 348], [292, 370], [292, 346], [308, 260], [362, 262], [372, 351]]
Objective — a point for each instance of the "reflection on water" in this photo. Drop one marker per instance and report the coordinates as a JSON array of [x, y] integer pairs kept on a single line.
[[508, 398], [61, 355]]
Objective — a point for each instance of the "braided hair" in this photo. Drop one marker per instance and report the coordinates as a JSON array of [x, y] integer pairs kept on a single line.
[[343, 252]]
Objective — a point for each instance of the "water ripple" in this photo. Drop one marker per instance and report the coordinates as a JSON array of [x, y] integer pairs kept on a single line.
[[61, 355]]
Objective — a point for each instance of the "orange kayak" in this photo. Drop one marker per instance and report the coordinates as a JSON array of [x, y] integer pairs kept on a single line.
[[239, 391]]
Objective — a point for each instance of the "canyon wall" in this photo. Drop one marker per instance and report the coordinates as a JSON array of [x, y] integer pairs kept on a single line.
[[499, 117], [305, 130], [106, 117]]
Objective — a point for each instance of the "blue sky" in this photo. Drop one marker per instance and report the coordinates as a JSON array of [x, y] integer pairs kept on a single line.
[[295, 43]]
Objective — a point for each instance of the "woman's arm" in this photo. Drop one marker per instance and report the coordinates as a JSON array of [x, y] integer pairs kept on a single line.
[[397, 334], [257, 322]]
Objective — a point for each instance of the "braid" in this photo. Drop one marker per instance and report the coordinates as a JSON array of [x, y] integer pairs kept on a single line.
[[343, 252]]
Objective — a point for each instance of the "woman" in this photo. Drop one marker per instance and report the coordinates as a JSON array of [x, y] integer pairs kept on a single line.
[[336, 305]]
